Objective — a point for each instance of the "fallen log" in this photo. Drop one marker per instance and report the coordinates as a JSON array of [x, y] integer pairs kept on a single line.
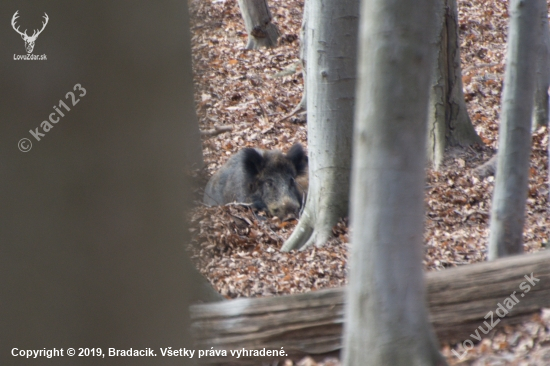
[[460, 300]]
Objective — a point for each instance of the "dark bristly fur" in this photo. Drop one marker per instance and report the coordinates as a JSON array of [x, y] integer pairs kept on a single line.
[[264, 178]]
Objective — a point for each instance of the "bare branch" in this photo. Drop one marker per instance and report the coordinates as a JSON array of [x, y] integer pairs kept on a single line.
[[216, 131]]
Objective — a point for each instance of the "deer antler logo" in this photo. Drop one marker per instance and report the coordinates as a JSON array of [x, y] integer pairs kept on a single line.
[[29, 41]]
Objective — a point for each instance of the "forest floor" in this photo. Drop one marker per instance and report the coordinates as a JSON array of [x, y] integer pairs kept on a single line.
[[251, 92]]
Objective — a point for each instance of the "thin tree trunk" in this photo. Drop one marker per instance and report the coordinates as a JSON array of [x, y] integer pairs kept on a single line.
[[331, 33], [257, 20], [540, 112], [511, 185], [438, 105], [303, 46], [449, 123], [386, 320], [303, 55]]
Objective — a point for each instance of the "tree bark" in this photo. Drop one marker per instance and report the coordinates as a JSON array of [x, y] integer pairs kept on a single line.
[[92, 223], [303, 55], [540, 112], [331, 33], [448, 123], [311, 324], [511, 184], [257, 20], [302, 105], [386, 280]]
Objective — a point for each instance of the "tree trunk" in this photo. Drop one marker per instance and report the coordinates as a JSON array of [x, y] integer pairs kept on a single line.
[[303, 62], [386, 280], [448, 123], [257, 20], [303, 55], [311, 323], [540, 112], [91, 218], [331, 33], [511, 184]]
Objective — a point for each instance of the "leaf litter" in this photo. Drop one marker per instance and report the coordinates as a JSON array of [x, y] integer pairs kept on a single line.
[[245, 98]]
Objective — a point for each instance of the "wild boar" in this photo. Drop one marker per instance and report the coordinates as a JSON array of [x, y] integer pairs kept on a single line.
[[264, 178]]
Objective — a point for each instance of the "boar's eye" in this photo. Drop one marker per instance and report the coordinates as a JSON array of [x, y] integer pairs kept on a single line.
[[292, 181]]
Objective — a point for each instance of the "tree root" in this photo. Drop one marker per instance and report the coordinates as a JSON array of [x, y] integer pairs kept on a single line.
[[311, 230]]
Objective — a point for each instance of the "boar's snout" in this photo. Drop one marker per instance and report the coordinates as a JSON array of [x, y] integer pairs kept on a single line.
[[288, 209]]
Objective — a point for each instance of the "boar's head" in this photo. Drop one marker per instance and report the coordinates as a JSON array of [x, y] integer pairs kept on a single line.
[[271, 178]]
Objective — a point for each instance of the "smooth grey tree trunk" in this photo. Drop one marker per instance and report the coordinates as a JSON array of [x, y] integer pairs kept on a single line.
[[386, 319], [92, 227], [540, 112], [331, 33], [448, 123], [257, 20], [302, 105], [511, 184], [303, 55]]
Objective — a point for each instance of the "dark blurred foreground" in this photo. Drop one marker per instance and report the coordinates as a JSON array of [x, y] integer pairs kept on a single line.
[[91, 218]]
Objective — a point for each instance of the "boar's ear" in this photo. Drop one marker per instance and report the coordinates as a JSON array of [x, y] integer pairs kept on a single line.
[[298, 157], [253, 161]]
